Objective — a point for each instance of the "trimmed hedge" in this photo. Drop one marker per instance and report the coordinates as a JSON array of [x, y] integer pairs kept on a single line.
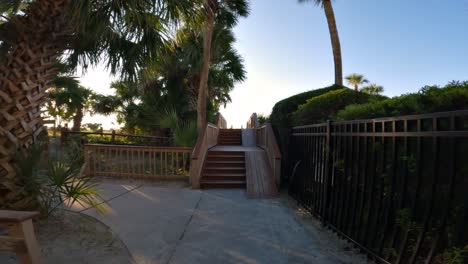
[[320, 108], [453, 96], [281, 116]]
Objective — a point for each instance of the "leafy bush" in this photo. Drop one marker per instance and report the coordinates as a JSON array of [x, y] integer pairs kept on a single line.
[[454, 96], [185, 131], [281, 116], [320, 108]]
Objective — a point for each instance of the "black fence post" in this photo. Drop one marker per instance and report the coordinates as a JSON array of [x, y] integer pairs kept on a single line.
[[328, 172]]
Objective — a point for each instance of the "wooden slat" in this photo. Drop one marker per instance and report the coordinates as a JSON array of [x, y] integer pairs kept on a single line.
[[259, 175], [15, 244], [16, 216]]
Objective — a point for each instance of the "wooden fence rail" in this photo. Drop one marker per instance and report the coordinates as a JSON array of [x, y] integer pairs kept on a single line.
[[118, 138], [137, 161]]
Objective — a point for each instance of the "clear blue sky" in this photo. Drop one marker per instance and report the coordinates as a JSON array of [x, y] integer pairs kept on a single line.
[[399, 44]]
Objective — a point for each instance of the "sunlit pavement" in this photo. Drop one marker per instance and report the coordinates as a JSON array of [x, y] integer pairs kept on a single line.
[[175, 224]]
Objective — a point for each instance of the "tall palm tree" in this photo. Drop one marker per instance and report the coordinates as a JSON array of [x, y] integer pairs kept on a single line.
[[335, 39], [35, 33], [355, 80], [223, 12], [373, 89]]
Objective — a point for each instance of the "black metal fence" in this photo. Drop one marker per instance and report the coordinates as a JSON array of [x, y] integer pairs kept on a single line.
[[395, 187]]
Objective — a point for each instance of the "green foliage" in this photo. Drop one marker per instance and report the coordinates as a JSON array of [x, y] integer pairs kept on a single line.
[[320, 108], [263, 119], [355, 80], [46, 190], [185, 131], [94, 127], [281, 115], [453, 96], [455, 255], [373, 89]]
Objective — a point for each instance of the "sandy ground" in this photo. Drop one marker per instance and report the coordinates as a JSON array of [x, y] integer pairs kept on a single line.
[[69, 237]]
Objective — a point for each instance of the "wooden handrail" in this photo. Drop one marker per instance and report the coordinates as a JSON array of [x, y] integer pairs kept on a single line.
[[253, 121], [207, 139], [266, 139], [201, 138]]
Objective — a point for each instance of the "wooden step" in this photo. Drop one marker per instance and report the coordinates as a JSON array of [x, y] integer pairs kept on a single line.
[[224, 158], [211, 170], [223, 177], [229, 143], [222, 184], [226, 153], [224, 163]]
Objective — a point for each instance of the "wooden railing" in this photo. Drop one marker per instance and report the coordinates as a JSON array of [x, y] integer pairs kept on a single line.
[[208, 138], [114, 138], [221, 121], [253, 121], [137, 161], [265, 138]]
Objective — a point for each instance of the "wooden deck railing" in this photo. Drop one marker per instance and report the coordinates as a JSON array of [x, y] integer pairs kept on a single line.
[[208, 138], [137, 161], [253, 121], [114, 138], [221, 121], [266, 140]]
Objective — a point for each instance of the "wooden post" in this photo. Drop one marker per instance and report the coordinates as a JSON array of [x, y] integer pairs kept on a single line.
[[113, 137], [21, 237]]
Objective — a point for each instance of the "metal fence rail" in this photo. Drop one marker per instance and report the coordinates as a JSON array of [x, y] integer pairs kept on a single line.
[[396, 187]]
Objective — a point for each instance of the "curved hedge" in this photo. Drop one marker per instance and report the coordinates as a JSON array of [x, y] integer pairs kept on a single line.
[[281, 116], [320, 108], [454, 96]]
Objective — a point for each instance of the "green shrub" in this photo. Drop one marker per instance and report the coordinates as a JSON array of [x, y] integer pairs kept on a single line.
[[320, 108], [281, 116], [454, 96]]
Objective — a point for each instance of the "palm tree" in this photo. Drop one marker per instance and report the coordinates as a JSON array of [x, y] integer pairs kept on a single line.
[[355, 80], [74, 99], [223, 12], [34, 34], [172, 82], [335, 39], [373, 89]]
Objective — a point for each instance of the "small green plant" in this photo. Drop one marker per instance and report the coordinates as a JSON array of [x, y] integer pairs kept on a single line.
[[185, 131], [455, 255], [46, 190]]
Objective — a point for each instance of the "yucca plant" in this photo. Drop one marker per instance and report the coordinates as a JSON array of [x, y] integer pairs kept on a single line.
[[50, 188], [66, 187]]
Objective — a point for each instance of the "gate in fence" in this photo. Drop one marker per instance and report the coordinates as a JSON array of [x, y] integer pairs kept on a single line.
[[395, 187]]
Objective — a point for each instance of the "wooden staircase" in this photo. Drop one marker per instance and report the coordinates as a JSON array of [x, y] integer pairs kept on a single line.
[[224, 169], [231, 137]]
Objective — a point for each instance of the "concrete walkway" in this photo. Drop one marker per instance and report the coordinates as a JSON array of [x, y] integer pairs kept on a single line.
[[170, 223]]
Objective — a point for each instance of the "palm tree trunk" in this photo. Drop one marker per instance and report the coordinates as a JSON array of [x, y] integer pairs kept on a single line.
[[24, 77], [335, 40], [77, 119], [203, 87], [356, 88]]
